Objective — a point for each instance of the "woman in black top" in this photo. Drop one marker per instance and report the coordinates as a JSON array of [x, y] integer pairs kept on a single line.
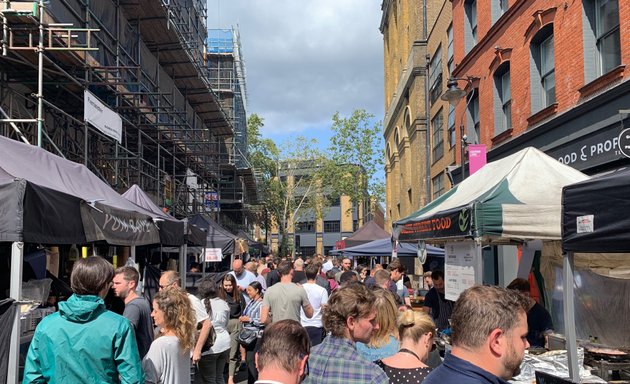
[[416, 331], [236, 301]]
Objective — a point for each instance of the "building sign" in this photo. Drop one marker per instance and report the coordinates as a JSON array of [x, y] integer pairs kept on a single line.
[[213, 255], [460, 260], [101, 117], [211, 201], [452, 223], [590, 151]]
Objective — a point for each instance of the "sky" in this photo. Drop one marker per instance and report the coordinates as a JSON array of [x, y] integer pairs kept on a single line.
[[306, 60]]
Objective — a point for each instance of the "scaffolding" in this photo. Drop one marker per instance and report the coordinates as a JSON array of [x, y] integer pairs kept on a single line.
[[226, 72], [144, 59]]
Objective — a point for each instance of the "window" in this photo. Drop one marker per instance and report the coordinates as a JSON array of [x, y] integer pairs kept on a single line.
[[502, 99], [305, 251], [473, 117], [435, 75], [499, 7], [470, 26], [451, 126], [332, 226], [438, 185], [437, 136], [305, 226], [542, 69], [450, 49], [602, 44], [396, 136], [335, 201]]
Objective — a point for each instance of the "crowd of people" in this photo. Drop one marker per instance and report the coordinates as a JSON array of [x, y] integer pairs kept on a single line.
[[317, 321]]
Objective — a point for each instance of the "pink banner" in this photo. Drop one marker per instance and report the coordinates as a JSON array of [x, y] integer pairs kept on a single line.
[[476, 157]]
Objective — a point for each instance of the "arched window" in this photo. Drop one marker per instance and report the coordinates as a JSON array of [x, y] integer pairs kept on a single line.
[[397, 136], [502, 99]]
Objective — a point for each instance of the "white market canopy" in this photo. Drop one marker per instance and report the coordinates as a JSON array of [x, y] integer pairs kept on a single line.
[[515, 198]]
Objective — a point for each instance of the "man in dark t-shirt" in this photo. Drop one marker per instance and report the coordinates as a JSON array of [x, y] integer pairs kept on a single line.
[[539, 322], [435, 302], [137, 308]]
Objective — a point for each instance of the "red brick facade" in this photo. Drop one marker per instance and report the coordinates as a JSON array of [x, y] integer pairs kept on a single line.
[[509, 38]]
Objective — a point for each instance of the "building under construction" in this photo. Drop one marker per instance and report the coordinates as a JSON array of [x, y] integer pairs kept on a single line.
[[144, 64]]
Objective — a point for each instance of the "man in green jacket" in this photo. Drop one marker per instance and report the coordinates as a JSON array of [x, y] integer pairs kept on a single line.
[[84, 342]]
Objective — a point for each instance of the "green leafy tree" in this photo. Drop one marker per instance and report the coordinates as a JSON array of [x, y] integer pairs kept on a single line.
[[290, 179], [357, 148]]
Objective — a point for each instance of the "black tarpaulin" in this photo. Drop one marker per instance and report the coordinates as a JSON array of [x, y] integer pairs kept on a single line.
[[7, 317], [596, 214], [171, 229], [47, 199], [216, 235]]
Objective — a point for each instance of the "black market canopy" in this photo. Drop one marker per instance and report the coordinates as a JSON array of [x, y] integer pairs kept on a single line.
[[596, 214], [216, 235], [50, 200], [172, 230], [515, 198], [595, 220]]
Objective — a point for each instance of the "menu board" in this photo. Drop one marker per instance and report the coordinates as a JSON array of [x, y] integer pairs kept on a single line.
[[459, 268]]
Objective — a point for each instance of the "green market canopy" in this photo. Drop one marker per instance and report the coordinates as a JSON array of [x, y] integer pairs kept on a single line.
[[517, 198]]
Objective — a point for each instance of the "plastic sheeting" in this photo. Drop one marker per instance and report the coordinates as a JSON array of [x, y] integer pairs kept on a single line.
[[602, 307]]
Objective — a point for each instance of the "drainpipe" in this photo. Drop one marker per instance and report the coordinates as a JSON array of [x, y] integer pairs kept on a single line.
[[426, 105]]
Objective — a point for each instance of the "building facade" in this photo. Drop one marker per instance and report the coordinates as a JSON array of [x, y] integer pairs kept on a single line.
[[552, 76], [405, 26], [442, 123]]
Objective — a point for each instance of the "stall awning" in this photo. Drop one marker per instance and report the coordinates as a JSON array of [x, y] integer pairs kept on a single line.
[[514, 198]]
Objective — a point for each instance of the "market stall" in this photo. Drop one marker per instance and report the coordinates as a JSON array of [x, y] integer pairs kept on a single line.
[[50, 200], [513, 200], [596, 238], [383, 247]]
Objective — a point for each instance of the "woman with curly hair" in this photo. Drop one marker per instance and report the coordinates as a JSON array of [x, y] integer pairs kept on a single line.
[[384, 341], [168, 359], [236, 301]]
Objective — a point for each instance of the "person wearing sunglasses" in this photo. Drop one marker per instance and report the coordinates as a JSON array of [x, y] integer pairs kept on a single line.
[[283, 354]]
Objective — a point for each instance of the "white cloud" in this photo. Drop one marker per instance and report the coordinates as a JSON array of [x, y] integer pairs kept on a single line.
[[307, 59]]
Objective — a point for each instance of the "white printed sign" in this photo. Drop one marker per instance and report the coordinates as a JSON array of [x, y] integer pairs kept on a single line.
[[213, 255], [585, 224], [459, 268], [101, 117]]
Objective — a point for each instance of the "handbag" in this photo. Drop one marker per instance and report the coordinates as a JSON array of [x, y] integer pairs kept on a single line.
[[212, 335], [248, 335]]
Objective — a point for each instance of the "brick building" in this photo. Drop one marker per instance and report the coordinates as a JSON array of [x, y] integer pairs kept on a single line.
[[548, 75]]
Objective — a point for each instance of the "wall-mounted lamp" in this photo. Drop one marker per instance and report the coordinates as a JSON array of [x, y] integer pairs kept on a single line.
[[453, 95]]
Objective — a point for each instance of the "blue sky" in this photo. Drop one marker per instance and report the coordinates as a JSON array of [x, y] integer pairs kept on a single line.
[[307, 59]]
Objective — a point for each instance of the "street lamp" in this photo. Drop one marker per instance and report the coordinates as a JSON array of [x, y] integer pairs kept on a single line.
[[453, 95]]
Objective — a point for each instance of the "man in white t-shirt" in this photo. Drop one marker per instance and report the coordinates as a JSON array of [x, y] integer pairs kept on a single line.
[[242, 275], [317, 296]]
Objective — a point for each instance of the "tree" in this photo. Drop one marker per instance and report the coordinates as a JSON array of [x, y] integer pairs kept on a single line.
[[290, 179], [357, 147]]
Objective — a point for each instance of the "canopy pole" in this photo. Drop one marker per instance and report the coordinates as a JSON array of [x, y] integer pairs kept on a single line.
[[478, 262], [17, 256], [182, 264], [569, 317]]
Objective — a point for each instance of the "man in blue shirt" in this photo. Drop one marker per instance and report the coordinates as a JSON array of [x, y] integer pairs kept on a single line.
[[489, 338]]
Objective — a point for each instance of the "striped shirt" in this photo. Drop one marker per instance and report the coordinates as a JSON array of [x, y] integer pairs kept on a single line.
[[252, 310]]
